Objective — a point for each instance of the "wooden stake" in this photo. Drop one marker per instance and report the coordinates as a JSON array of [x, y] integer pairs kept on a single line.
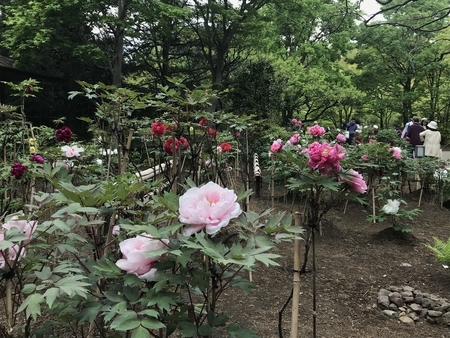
[[296, 282], [421, 192], [374, 212], [273, 184]]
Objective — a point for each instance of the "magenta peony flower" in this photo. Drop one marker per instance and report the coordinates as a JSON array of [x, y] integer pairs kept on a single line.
[[324, 157], [317, 131], [209, 207], [72, 151], [18, 169], [357, 182], [64, 134], [341, 138], [294, 139], [37, 158], [396, 152], [276, 146], [137, 258]]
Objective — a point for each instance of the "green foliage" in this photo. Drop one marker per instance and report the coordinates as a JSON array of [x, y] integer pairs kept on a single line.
[[441, 250]]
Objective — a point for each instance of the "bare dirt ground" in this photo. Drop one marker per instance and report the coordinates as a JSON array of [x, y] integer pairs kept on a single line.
[[354, 259]]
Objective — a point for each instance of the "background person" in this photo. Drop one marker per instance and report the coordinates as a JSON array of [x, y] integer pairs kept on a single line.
[[405, 130], [424, 123], [431, 140], [351, 128]]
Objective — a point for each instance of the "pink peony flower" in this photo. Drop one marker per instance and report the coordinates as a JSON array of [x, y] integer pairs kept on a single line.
[[64, 134], [372, 140], [341, 138], [296, 122], [25, 226], [72, 151], [115, 230], [324, 157], [294, 139], [357, 182], [209, 207], [137, 258], [18, 169], [13, 251], [276, 146], [365, 157], [37, 158], [396, 152], [317, 131]]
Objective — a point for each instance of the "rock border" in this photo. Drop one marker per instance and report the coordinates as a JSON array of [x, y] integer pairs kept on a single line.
[[410, 305]]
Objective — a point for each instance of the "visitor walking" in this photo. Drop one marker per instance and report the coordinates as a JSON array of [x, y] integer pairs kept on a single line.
[[431, 140], [405, 130], [413, 132], [351, 129]]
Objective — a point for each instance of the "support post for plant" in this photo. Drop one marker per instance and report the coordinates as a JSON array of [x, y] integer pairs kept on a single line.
[[127, 151], [174, 166], [296, 282], [374, 212], [272, 188], [9, 305], [421, 193]]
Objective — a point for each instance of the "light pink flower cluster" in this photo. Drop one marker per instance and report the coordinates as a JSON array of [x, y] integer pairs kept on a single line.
[[341, 138], [296, 122], [209, 207], [72, 151], [365, 157], [396, 152], [137, 255], [276, 146], [317, 131], [324, 157], [357, 182], [25, 226], [294, 139]]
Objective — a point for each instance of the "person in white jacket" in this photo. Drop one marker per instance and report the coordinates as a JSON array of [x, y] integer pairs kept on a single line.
[[431, 140]]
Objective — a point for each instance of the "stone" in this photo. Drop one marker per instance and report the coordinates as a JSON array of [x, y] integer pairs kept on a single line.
[[408, 288], [445, 306], [418, 300], [401, 314], [431, 320], [393, 307], [383, 299], [423, 313], [416, 308], [433, 313], [384, 292], [396, 298], [406, 320], [408, 299], [395, 288], [401, 308], [413, 316], [406, 294], [391, 314], [426, 303]]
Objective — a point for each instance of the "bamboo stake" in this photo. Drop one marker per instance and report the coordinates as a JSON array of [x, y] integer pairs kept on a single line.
[[373, 205], [345, 206], [273, 184], [9, 305], [296, 282], [421, 192]]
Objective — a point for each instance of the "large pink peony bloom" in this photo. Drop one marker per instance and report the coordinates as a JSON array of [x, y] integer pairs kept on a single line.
[[209, 207], [13, 250], [25, 226], [317, 131], [396, 152], [294, 139], [72, 151], [324, 157], [137, 258], [276, 146], [341, 138], [357, 182]]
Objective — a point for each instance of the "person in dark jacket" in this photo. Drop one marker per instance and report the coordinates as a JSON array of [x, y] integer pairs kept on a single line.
[[351, 128], [414, 131]]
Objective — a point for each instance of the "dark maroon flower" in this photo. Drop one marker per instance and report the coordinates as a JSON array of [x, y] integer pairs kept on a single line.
[[370, 132], [203, 122], [184, 143], [37, 158], [18, 169], [64, 134], [375, 131]]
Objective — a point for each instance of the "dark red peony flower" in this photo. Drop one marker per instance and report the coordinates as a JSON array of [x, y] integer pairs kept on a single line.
[[212, 132], [18, 169], [168, 145], [375, 131], [225, 146], [203, 122], [158, 128], [184, 143], [64, 134]]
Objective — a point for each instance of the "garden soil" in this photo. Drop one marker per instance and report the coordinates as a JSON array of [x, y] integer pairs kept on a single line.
[[354, 259]]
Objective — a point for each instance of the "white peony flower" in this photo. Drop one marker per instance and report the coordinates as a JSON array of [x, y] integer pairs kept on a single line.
[[375, 126], [440, 174], [391, 207], [99, 161]]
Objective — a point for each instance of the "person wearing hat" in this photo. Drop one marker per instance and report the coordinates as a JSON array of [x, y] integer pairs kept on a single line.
[[431, 140]]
